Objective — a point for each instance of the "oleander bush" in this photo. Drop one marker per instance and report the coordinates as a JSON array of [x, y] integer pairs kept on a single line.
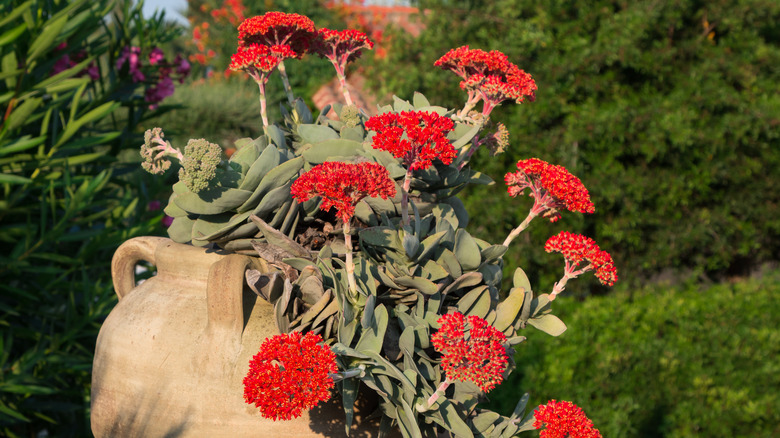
[[73, 84], [671, 108], [665, 362]]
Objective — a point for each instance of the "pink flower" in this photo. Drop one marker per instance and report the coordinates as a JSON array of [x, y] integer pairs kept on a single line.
[[156, 56], [577, 248], [343, 185], [552, 187], [290, 374], [131, 56], [475, 353], [157, 93], [425, 137], [182, 67], [563, 420]]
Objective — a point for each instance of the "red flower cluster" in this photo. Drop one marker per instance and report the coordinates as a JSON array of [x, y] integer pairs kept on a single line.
[[563, 420], [489, 73], [426, 137], [576, 248], [289, 374], [553, 188], [341, 46], [343, 185], [276, 29], [478, 356], [262, 58]]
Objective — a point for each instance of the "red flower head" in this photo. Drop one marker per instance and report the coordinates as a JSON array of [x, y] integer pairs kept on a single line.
[[490, 74], [553, 188], [289, 374], [474, 353], [343, 185], [278, 29], [256, 56], [341, 46], [576, 248], [425, 140], [563, 420]]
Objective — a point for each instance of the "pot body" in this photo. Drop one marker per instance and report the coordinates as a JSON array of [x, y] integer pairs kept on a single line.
[[171, 356]]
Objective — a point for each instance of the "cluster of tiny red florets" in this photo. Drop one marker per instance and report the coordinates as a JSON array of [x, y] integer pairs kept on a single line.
[[278, 28], [576, 248], [290, 374], [491, 73], [263, 58], [425, 139], [341, 46], [563, 420], [342, 185], [476, 354], [553, 186]]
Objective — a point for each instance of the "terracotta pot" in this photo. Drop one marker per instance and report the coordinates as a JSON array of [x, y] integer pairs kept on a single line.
[[171, 356]]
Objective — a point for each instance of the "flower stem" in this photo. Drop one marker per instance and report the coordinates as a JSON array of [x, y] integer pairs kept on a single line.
[[405, 196], [286, 81], [350, 263], [568, 273], [344, 89], [435, 396], [520, 228]]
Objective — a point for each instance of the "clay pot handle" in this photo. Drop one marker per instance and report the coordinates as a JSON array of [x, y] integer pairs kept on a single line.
[[127, 256]]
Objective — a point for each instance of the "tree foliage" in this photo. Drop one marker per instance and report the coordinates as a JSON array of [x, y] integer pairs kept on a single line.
[[676, 362], [668, 112], [66, 199]]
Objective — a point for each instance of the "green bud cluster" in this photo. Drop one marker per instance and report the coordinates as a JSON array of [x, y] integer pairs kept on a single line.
[[199, 165]]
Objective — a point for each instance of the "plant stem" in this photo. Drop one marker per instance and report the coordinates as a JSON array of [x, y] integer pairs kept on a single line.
[[520, 228], [286, 81], [344, 90], [405, 196], [262, 104], [435, 396]]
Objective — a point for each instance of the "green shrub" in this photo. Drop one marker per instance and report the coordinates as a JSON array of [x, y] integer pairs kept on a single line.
[[665, 362], [66, 202], [668, 112]]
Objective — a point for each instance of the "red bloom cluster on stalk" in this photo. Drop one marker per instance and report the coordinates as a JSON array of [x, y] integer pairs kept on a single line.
[[553, 188], [425, 140], [476, 354], [563, 420], [576, 248], [341, 47], [278, 28], [290, 374], [342, 185], [262, 58], [489, 76]]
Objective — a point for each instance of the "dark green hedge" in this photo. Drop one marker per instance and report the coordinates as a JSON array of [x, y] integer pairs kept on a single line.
[[668, 111], [664, 363]]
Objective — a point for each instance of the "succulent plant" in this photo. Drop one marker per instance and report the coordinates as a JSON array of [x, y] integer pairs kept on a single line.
[[375, 276]]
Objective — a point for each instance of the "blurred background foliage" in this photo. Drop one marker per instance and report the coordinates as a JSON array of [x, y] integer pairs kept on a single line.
[[67, 196], [668, 112]]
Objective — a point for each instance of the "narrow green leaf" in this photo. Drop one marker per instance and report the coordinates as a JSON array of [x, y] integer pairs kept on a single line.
[[21, 113], [50, 30], [6, 178]]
